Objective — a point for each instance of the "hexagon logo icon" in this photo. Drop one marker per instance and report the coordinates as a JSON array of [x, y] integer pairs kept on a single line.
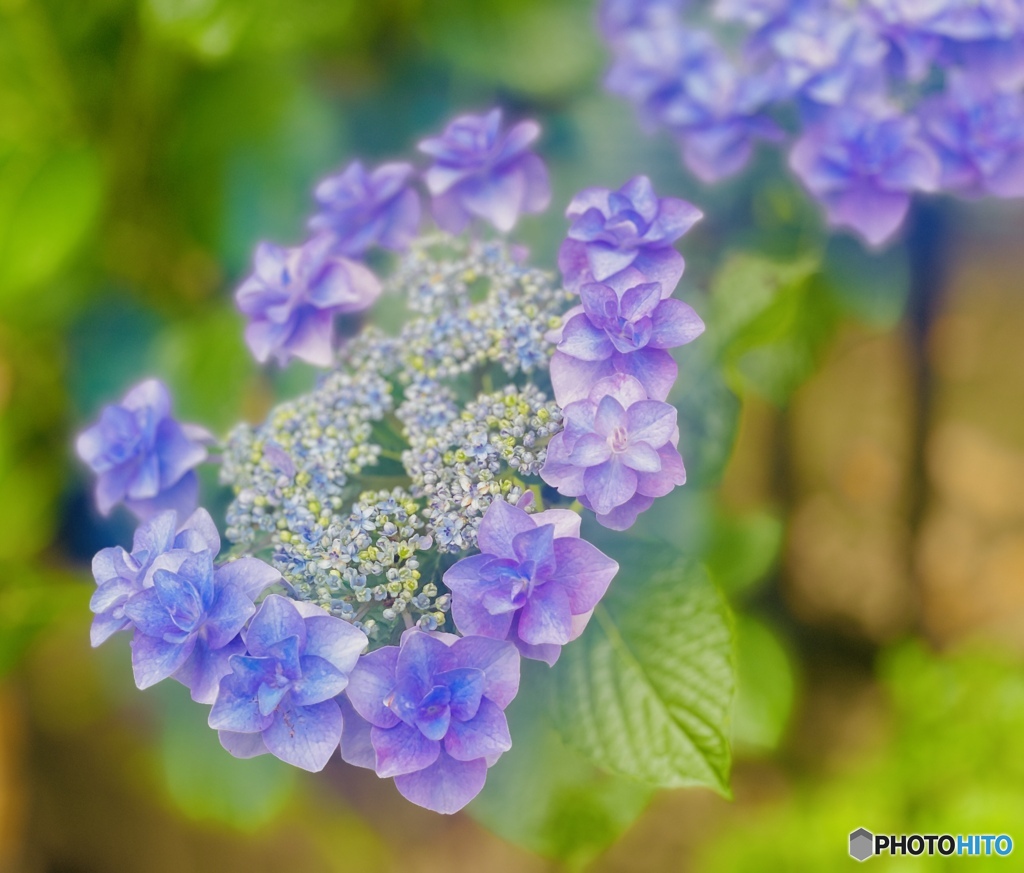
[[862, 844]]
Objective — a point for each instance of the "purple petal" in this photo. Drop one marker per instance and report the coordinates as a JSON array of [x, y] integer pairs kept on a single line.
[[150, 615], [581, 340], [305, 736], [572, 378], [641, 300], [250, 575], [558, 472], [205, 668], [356, 747], [622, 517], [590, 450], [446, 785], [466, 686], [605, 260], [203, 527], [610, 417], [237, 706], [156, 535], [104, 627], [654, 369], [672, 473], [651, 422], [464, 577], [181, 497], [499, 662], [674, 324], [499, 526], [473, 618], [334, 640], [243, 745], [320, 681], [373, 680], [402, 749], [609, 485], [230, 611], [565, 522], [151, 394], [546, 618], [276, 620], [484, 735], [624, 388], [664, 266], [177, 453], [641, 457], [584, 571], [153, 660], [422, 656]]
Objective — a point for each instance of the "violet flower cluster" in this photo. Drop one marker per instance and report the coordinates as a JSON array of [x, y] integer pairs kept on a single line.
[[391, 560], [879, 99]]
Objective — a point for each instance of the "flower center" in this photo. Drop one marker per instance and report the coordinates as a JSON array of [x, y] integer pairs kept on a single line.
[[619, 439]]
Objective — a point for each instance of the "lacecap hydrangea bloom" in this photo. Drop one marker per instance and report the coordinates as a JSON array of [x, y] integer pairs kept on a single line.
[[879, 100], [402, 534]]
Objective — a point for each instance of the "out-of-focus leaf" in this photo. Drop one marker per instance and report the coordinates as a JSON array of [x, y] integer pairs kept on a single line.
[[647, 690], [48, 205], [742, 549], [207, 783], [764, 694], [545, 796], [872, 286]]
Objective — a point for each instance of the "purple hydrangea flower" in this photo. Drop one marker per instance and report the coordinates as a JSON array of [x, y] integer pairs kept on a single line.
[[534, 582], [612, 231], [293, 296], [618, 18], [617, 451], [480, 171], [431, 714], [628, 334], [978, 135], [187, 622], [279, 696], [142, 456], [361, 210], [120, 575], [863, 166]]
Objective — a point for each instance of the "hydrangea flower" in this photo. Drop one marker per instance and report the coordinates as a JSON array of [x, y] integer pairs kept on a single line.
[[481, 172], [187, 622], [863, 166], [362, 210], [534, 582], [617, 452], [293, 296], [120, 575], [612, 231], [279, 696], [143, 456], [431, 715], [978, 134], [627, 334]]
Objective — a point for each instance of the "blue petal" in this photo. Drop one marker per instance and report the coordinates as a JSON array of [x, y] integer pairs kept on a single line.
[[154, 660], [402, 749], [483, 736], [230, 611], [276, 620], [371, 682], [466, 685], [320, 681], [236, 707], [305, 736], [446, 785]]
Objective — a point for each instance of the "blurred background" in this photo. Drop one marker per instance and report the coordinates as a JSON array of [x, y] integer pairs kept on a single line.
[[852, 424]]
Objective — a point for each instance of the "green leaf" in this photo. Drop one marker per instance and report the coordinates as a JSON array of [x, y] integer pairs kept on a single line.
[[742, 549], [545, 796], [646, 691], [764, 697]]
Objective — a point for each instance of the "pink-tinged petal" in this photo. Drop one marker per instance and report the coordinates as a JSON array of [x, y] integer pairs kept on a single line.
[[654, 369], [537, 197], [250, 576], [483, 735], [572, 261], [402, 749], [674, 324], [590, 450], [579, 624], [205, 668], [275, 621], [623, 387], [547, 617], [305, 736], [446, 786], [609, 485], [371, 682], [641, 457], [500, 525], [558, 472], [496, 198], [585, 573], [611, 417], [548, 652], [651, 422], [449, 213], [581, 340], [334, 640], [565, 522], [499, 662], [243, 745], [572, 378], [473, 619], [356, 746], [623, 517], [154, 660], [641, 300], [672, 473]]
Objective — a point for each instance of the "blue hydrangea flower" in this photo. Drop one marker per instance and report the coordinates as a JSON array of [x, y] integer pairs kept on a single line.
[[293, 296], [863, 166], [534, 582], [279, 696], [120, 575], [430, 713], [142, 456], [617, 452], [481, 172], [362, 210], [621, 334], [631, 229], [187, 623], [978, 135], [619, 18]]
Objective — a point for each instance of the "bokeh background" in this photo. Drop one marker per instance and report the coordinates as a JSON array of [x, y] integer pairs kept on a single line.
[[853, 427]]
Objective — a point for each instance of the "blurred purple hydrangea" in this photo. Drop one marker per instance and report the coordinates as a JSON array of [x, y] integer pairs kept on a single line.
[[142, 456], [534, 582], [431, 714], [612, 231], [627, 334], [280, 695], [187, 622], [293, 296], [617, 452], [120, 575], [863, 166], [481, 172], [361, 210]]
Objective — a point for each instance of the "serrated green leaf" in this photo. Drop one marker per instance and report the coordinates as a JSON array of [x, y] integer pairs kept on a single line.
[[646, 691]]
